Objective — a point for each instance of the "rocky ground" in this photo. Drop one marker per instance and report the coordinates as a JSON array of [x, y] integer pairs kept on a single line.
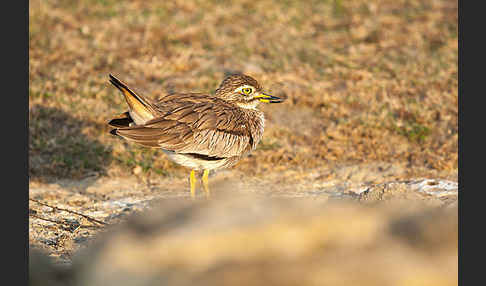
[[336, 227]]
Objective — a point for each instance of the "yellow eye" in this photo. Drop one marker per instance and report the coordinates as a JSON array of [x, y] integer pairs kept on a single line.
[[247, 90]]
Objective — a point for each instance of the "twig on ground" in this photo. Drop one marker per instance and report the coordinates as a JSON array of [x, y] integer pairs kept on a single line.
[[69, 211], [60, 222]]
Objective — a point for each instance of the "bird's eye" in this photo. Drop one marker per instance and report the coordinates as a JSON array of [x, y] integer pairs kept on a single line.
[[247, 90]]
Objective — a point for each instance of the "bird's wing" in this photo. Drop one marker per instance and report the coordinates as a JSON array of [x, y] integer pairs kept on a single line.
[[194, 124]]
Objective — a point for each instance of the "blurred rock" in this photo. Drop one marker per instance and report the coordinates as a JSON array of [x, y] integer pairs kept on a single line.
[[270, 241], [44, 272]]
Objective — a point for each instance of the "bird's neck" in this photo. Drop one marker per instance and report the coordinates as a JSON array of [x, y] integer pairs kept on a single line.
[[248, 104]]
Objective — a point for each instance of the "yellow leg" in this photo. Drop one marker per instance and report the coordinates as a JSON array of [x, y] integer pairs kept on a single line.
[[192, 180], [206, 182]]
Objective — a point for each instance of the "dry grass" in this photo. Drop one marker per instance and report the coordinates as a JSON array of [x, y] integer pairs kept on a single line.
[[365, 81]]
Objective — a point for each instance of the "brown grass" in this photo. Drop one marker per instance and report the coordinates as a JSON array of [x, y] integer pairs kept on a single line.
[[365, 80]]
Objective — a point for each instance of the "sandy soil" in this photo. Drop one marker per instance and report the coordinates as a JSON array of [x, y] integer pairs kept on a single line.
[[110, 200], [252, 231]]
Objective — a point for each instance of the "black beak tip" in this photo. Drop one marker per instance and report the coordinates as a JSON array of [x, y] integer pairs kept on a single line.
[[275, 99]]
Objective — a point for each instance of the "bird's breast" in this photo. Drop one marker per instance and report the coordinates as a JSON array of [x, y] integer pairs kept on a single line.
[[255, 124]]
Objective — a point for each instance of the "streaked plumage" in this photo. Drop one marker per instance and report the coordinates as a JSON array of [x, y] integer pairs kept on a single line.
[[199, 131]]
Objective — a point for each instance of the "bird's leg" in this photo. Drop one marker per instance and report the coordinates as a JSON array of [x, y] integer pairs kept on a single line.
[[192, 180], [205, 182]]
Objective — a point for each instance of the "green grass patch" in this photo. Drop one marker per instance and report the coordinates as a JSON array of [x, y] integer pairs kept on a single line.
[[264, 145], [415, 132]]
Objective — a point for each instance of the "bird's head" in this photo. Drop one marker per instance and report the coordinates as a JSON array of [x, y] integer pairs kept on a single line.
[[244, 91]]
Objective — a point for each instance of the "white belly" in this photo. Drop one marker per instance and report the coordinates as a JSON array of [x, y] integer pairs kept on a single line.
[[194, 163]]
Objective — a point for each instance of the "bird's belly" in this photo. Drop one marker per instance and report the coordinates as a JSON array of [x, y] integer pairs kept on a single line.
[[194, 163]]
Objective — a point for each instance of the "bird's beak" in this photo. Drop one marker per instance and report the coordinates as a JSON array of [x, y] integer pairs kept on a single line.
[[267, 98]]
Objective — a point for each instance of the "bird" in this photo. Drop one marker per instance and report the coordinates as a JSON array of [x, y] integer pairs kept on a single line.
[[200, 131]]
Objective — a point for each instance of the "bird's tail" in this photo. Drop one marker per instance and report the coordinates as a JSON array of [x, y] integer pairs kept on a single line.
[[139, 108]]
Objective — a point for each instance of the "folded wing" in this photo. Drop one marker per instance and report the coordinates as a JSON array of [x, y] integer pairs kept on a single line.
[[195, 124]]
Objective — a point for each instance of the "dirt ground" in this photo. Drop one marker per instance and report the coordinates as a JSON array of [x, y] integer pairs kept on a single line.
[[371, 90], [250, 232], [110, 200]]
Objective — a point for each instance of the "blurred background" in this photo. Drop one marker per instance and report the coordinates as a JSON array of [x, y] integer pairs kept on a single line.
[[372, 97], [366, 81]]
